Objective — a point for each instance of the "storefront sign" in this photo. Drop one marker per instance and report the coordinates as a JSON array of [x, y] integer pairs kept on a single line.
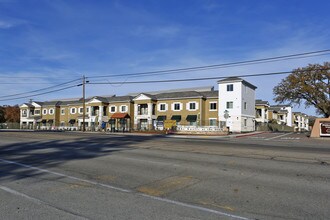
[[325, 128], [168, 124]]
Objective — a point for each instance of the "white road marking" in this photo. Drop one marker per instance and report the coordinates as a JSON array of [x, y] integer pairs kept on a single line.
[[37, 201], [114, 188], [278, 136], [193, 206]]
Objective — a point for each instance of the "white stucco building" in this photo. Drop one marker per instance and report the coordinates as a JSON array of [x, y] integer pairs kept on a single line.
[[237, 99]]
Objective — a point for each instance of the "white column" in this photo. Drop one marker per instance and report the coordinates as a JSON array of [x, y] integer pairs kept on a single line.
[[149, 114], [263, 115], [100, 114], [135, 115]]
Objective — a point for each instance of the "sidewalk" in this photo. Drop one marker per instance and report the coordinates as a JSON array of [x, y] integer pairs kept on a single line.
[[188, 136]]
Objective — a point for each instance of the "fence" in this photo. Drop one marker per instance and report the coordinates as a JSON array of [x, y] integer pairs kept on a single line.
[[9, 125]]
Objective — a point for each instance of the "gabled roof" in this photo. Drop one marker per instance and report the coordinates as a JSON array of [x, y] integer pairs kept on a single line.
[[148, 96], [210, 94], [120, 99], [51, 103], [176, 95], [26, 105], [99, 98], [196, 89], [38, 103], [261, 102], [236, 79]]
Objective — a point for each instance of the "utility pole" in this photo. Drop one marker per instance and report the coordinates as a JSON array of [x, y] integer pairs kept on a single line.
[[84, 102]]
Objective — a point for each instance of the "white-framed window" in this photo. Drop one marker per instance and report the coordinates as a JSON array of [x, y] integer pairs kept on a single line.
[[213, 106], [81, 110], [51, 111], [123, 108], [230, 105], [37, 112], [177, 106], [192, 106], [162, 107], [62, 111], [230, 87], [24, 113], [73, 111], [44, 111], [213, 122], [245, 105], [112, 109], [87, 110]]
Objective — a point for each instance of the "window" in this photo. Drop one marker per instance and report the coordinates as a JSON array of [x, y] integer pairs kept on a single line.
[[73, 110], [81, 110], [123, 108], [176, 106], [51, 111], [230, 87], [229, 105], [213, 106], [192, 106], [245, 105], [112, 109], [245, 122], [37, 112], [24, 113], [62, 111], [87, 110], [44, 111], [162, 107], [213, 122]]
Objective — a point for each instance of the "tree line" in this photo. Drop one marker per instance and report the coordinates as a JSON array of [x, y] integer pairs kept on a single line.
[[9, 114]]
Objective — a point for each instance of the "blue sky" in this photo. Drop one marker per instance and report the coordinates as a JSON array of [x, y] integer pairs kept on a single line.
[[59, 40]]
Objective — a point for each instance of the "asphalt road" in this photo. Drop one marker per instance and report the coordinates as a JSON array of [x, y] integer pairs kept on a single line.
[[49, 175]]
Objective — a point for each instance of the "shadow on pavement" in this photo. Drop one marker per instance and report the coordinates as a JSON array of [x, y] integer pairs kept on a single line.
[[44, 153]]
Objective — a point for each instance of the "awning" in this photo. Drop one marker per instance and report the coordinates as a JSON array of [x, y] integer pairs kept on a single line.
[[161, 118], [72, 121], [50, 121], [43, 121], [120, 115], [176, 118], [39, 120], [191, 117]]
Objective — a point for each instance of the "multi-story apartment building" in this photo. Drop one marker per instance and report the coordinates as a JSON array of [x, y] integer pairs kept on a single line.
[[281, 113], [237, 104], [198, 107], [301, 121], [262, 111]]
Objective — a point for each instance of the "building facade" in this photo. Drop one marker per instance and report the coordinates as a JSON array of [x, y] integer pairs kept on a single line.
[[237, 104], [187, 109]]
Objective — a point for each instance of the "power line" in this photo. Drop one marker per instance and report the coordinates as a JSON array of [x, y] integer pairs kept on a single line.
[[43, 93], [200, 79], [21, 83], [38, 90], [224, 65]]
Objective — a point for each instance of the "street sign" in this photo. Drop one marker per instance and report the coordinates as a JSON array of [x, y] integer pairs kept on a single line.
[[226, 115], [168, 124]]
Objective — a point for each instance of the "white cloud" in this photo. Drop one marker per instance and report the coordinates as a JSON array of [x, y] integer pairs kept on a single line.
[[5, 24]]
